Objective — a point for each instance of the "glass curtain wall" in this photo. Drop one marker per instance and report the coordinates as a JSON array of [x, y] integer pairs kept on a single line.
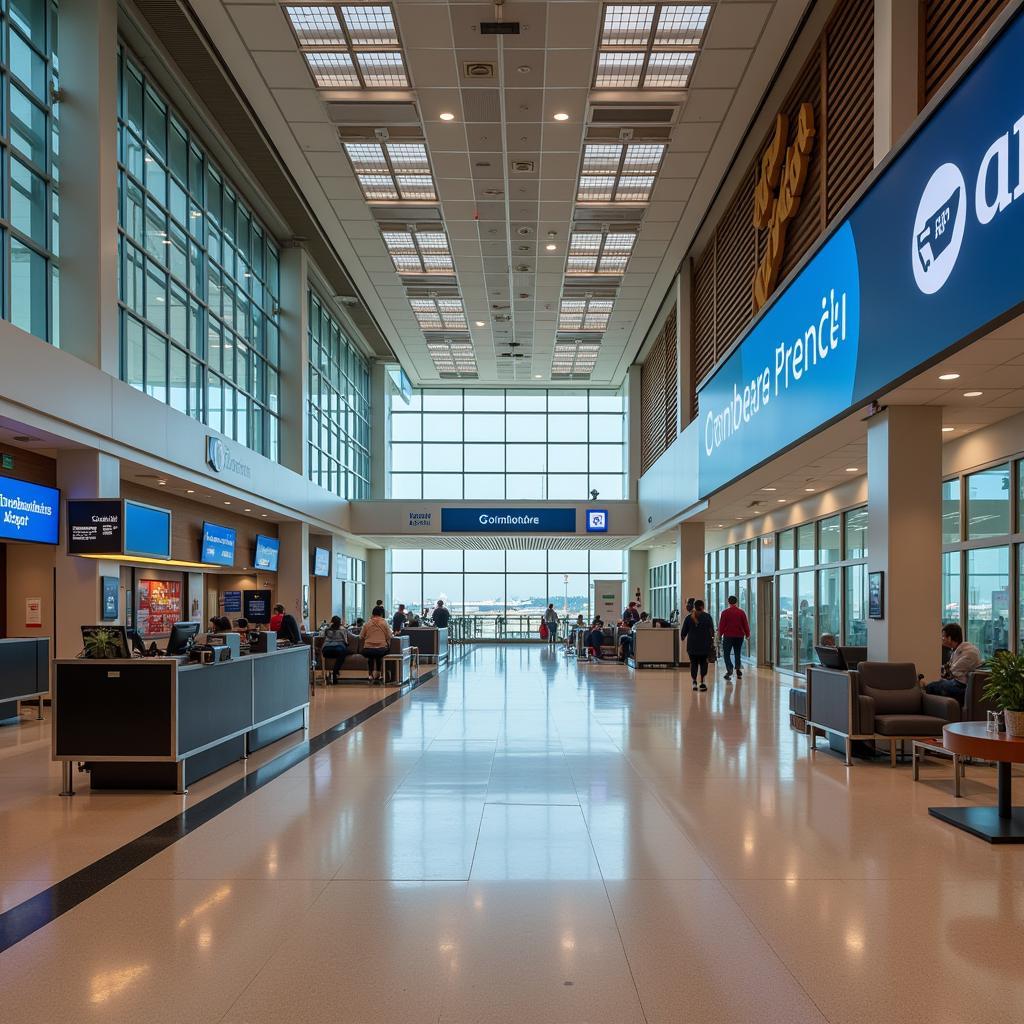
[[355, 587], [733, 571], [662, 589], [505, 591], [515, 445], [199, 280], [29, 142], [338, 407]]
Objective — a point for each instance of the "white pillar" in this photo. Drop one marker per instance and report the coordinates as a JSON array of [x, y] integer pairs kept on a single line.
[[81, 474], [905, 533], [294, 358], [636, 579], [375, 579], [690, 555], [379, 447], [897, 86], [88, 141], [293, 570]]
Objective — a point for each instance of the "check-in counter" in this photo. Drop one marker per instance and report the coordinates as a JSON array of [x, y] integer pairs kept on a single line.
[[153, 723], [24, 673], [431, 642], [655, 647]]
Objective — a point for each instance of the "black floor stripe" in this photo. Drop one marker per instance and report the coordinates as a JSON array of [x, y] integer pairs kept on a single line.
[[40, 910]]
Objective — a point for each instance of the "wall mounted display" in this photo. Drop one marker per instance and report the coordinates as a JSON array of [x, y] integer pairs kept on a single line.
[[321, 562], [256, 606], [231, 602], [876, 595], [927, 260], [508, 520], [218, 546], [147, 530], [159, 606], [29, 512], [109, 598], [266, 554], [95, 526]]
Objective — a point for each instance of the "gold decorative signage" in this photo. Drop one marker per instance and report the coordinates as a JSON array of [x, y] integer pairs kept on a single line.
[[777, 195]]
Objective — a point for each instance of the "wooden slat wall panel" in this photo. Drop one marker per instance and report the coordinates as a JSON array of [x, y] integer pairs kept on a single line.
[[659, 395], [838, 81], [849, 145], [951, 28]]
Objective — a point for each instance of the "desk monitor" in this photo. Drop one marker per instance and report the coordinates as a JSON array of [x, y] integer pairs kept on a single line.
[[111, 639], [181, 635], [138, 644], [830, 657], [853, 656]]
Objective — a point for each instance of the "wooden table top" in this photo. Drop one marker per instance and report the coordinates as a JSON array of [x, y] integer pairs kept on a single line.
[[974, 740]]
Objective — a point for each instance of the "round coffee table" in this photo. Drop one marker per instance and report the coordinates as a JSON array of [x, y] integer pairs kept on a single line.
[[1003, 823]]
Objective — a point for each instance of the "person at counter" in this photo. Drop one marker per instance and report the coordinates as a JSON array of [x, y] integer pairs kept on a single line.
[[335, 646], [376, 637], [276, 619], [242, 625], [441, 616], [220, 624], [627, 643], [289, 629]]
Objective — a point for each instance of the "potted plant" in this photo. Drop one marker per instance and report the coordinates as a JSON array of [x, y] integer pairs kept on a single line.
[[1005, 688], [102, 643]]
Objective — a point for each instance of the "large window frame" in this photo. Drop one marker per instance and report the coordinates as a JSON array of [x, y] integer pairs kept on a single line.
[[507, 444], [198, 274], [337, 406], [29, 163]]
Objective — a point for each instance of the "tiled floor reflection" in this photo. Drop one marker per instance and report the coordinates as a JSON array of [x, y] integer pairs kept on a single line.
[[527, 840]]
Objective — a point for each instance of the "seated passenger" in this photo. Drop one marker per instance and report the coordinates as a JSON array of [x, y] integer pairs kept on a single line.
[[963, 660], [627, 643], [595, 638]]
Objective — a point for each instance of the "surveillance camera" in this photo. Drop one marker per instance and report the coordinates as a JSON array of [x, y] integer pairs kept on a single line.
[[593, 494]]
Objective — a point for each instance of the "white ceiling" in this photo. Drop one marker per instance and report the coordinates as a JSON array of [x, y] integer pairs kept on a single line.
[[545, 69]]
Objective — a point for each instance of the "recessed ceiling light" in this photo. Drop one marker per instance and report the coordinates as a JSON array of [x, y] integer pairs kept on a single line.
[[561, 117], [538, 376], [551, 247], [479, 323], [949, 376], [246, 509], [190, 490], [769, 488], [948, 430], [809, 490], [447, 116], [226, 502], [721, 525], [161, 483], [852, 469], [781, 501], [973, 394], [263, 515]]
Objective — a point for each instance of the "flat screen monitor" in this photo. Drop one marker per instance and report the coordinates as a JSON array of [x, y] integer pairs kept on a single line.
[[853, 656], [321, 562], [181, 634], [29, 512], [147, 530], [105, 642], [218, 545], [830, 657], [265, 557]]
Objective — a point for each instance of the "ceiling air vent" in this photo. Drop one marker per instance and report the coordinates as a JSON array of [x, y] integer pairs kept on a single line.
[[373, 114], [633, 115], [523, 166], [479, 69], [499, 28]]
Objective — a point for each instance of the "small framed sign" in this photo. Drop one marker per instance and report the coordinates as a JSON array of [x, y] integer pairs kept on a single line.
[[109, 593], [876, 595]]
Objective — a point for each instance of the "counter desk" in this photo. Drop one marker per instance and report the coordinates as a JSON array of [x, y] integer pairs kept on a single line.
[[24, 673], [154, 723]]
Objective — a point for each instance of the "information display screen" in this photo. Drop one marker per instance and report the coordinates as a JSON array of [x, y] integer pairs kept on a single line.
[[256, 606], [321, 562], [218, 545], [29, 512], [265, 558], [147, 530], [95, 526]]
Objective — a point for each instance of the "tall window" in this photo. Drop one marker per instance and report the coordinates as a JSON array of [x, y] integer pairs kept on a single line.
[[29, 216], [662, 591], [355, 588], [732, 571], [338, 407], [514, 445], [199, 276]]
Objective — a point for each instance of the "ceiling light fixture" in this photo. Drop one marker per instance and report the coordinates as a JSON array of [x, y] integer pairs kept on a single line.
[[809, 490], [949, 376], [561, 116], [447, 116], [973, 394], [781, 501], [551, 247], [190, 490], [769, 488], [948, 430], [479, 323], [852, 469]]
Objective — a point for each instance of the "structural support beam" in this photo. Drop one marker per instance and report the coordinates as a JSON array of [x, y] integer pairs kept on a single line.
[[897, 71], [295, 343]]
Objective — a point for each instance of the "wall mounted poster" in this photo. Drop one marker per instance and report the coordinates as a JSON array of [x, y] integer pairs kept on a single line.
[[232, 600], [876, 595], [159, 606], [109, 593]]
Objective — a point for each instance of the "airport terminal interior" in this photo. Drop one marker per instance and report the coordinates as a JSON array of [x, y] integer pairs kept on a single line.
[[511, 512]]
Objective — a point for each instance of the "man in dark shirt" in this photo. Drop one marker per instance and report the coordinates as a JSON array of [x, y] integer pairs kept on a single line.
[[441, 616], [290, 629], [398, 619], [631, 616]]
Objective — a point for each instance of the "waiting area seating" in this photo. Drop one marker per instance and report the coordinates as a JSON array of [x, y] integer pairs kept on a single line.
[[356, 668]]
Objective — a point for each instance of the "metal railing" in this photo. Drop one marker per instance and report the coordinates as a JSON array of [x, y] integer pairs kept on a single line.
[[471, 628]]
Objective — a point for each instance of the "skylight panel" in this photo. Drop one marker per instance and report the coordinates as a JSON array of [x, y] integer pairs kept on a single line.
[[642, 157], [618, 70], [619, 241], [407, 263], [601, 157], [574, 358], [669, 70], [453, 358], [681, 24], [595, 189], [392, 171], [416, 186], [378, 186], [634, 188], [370, 25], [383, 70], [419, 252], [408, 156], [316, 25], [432, 241], [581, 265], [627, 24], [585, 242], [588, 314], [331, 70], [366, 156], [596, 252], [399, 241], [629, 172]]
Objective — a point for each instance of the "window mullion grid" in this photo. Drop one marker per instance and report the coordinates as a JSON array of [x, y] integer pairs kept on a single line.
[[351, 49]]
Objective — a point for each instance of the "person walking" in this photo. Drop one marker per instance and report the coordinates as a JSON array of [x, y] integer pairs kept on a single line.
[[335, 646], [698, 630], [551, 621], [733, 628], [376, 642]]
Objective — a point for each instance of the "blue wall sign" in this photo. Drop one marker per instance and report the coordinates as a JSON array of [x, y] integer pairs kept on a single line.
[[232, 602], [29, 512], [508, 520], [266, 553], [597, 520], [928, 259], [218, 545]]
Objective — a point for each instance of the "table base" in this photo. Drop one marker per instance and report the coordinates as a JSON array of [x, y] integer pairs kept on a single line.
[[984, 822]]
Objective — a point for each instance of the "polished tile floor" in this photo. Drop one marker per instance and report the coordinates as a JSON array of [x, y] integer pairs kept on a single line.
[[527, 840]]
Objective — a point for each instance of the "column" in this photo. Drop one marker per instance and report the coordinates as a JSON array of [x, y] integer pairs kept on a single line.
[[293, 570], [379, 447], [375, 579], [897, 71], [905, 533], [81, 474], [632, 431], [295, 343], [690, 563], [88, 196], [684, 351], [636, 579]]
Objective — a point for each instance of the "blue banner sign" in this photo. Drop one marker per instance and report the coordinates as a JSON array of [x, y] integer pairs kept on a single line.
[[29, 512], [218, 545], [232, 602], [508, 520], [928, 260]]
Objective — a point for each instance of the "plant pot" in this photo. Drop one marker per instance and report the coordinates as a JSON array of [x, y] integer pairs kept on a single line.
[[1014, 723]]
